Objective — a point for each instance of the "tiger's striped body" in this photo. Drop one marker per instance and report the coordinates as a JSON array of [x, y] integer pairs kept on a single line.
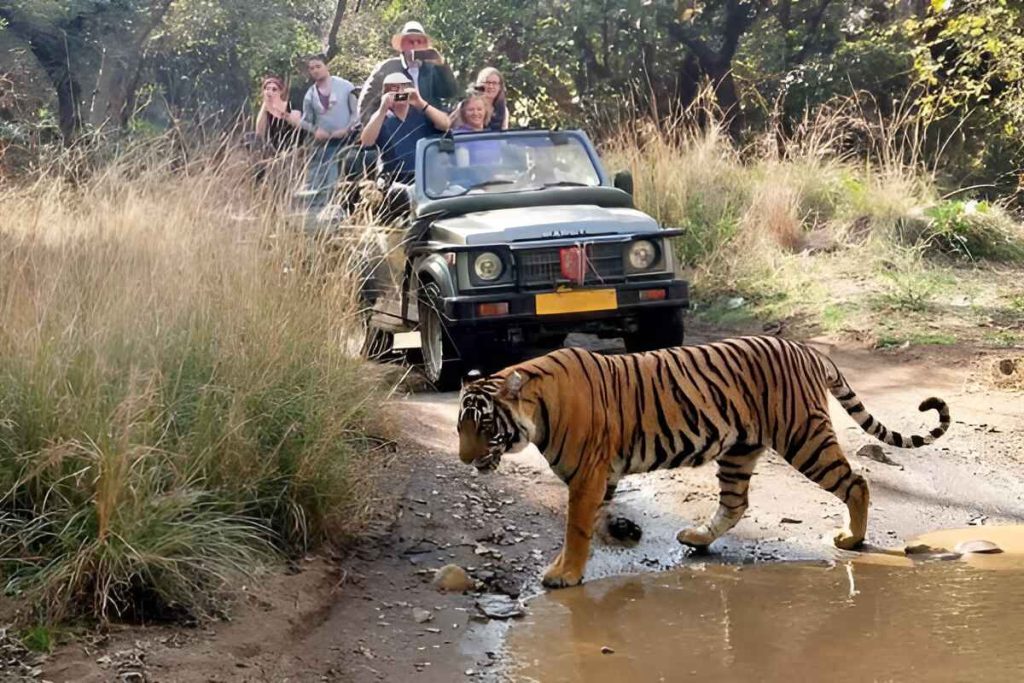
[[599, 417]]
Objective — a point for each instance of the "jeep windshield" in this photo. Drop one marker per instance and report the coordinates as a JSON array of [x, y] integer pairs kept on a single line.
[[499, 163]]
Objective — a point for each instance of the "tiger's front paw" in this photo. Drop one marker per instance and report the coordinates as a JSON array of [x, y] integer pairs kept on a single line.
[[696, 537], [557, 575]]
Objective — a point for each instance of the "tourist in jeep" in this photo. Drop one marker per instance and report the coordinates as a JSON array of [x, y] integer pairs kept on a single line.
[[491, 84], [420, 62], [473, 115], [402, 119], [328, 113]]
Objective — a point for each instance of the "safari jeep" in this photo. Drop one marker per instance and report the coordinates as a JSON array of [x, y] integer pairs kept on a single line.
[[509, 241]]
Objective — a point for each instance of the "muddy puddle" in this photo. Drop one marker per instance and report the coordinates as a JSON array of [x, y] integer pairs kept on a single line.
[[931, 620]]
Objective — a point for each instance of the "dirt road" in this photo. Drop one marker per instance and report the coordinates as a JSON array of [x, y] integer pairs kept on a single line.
[[375, 616]]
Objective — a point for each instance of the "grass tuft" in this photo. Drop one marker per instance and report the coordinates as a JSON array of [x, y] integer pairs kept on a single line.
[[179, 405]]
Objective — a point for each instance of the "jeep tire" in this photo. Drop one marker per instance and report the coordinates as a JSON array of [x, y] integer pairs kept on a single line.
[[442, 363]]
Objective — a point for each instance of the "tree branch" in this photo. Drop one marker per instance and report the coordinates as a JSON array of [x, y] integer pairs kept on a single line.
[[695, 45], [332, 35], [813, 21], [738, 19]]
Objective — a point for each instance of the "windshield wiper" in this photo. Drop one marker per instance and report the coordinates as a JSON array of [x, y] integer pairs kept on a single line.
[[484, 183], [566, 183]]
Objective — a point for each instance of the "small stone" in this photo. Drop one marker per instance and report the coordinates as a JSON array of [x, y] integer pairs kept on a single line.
[[931, 552], [605, 650], [452, 578], [873, 451], [422, 616], [921, 549], [791, 520], [499, 606], [470, 672], [978, 546]]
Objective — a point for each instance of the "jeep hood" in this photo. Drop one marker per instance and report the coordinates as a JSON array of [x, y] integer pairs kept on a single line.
[[540, 223]]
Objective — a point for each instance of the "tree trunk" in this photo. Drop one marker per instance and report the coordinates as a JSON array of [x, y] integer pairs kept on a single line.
[[120, 72], [52, 55], [717, 65]]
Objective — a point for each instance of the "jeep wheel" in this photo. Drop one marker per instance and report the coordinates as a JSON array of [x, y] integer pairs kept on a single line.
[[441, 363], [656, 329]]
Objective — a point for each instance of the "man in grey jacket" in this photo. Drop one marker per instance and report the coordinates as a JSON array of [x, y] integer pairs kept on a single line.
[[423, 65], [329, 113]]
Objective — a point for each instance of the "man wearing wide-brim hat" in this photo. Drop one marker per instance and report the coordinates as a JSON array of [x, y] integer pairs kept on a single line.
[[423, 66]]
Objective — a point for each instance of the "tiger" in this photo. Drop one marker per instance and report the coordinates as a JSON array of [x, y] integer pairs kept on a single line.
[[597, 417]]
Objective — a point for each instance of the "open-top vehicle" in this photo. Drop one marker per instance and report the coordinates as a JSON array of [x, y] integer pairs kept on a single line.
[[515, 239]]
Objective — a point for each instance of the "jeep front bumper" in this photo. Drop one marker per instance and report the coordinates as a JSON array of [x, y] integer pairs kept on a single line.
[[621, 301]]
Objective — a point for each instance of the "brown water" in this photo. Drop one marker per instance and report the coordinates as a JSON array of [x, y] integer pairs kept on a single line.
[[933, 621]]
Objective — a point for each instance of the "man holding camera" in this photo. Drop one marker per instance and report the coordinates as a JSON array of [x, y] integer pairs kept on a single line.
[[419, 62], [402, 118]]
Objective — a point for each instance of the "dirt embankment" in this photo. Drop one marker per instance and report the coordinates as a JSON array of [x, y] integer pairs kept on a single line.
[[375, 616]]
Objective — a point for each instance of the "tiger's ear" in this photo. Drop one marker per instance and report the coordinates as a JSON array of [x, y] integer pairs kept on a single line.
[[513, 386]]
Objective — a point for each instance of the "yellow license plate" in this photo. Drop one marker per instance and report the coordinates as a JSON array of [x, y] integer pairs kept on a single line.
[[577, 302]]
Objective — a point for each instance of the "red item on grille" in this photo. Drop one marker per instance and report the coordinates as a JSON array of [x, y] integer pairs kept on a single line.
[[574, 263]]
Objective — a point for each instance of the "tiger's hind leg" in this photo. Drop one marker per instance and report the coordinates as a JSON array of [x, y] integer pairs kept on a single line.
[[822, 461], [734, 472]]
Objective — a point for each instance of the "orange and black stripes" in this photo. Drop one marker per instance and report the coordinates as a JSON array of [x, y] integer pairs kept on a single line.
[[689, 405]]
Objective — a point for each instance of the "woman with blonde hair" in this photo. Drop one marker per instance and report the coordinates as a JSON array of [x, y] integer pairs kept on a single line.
[[473, 116], [491, 84]]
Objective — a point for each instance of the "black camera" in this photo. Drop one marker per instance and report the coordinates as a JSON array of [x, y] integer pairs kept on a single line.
[[401, 96]]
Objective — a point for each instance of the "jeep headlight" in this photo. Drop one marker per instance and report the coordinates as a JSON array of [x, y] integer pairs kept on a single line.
[[642, 254], [487, 266]]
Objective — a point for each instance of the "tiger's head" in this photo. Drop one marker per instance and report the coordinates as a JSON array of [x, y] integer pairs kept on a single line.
[[490, 423]]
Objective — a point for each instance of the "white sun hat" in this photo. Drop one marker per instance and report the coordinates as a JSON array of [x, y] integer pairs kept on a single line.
[[411, 28], [397, 78]]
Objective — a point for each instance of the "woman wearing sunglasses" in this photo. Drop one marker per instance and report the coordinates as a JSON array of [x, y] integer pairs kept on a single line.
[[491, 84]]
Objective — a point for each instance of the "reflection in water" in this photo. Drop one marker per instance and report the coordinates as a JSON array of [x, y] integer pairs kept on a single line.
[[938, 621]]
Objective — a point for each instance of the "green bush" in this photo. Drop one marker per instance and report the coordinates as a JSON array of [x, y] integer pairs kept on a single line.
[[975, 230]]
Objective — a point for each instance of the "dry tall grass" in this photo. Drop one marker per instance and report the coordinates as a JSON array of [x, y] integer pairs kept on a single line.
[[843, 180], [177, 404]]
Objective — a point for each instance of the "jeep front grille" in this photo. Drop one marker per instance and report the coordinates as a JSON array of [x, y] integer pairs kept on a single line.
[[542, 267]]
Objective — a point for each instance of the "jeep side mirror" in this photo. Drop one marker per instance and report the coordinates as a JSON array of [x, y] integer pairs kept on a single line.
[[624, 181]]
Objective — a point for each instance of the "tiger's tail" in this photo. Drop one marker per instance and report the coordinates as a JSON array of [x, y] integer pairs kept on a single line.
[[847, 398]]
